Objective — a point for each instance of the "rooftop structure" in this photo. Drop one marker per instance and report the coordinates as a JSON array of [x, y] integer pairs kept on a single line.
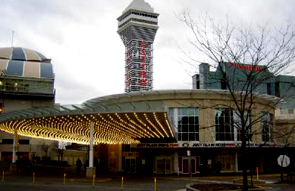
[[137, 28], [123, 118], [148, 125], [282, 86], [25, 72], [26, 81]]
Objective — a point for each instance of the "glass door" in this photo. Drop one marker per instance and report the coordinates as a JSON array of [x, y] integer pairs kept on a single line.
[[168, 166], [185, 168], [127, 165], [193, 165], [160, 166], [189, 164], [130, 165], [133, 165], [163, 165]]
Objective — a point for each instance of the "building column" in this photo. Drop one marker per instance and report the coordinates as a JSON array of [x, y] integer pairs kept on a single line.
[[236, 161], [176, 168], [120, 158], [15, 146], [90, 171]]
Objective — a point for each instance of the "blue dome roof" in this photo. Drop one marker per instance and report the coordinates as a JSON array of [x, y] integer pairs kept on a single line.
[[22, 62]]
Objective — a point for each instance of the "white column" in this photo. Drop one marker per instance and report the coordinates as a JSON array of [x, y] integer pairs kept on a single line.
[[91, 146], [14, 146]]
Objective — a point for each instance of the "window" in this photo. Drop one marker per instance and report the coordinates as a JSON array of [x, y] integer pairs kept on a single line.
[[238, 125], [277, 89], [267, 127], [268, 88], [224, 125], [7, 141], [24, 142], [228, 125], [223, 84], [227, 159], [186, 122]]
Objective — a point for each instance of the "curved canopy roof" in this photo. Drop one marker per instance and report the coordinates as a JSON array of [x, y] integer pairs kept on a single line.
[[123, 118], [115, 121]]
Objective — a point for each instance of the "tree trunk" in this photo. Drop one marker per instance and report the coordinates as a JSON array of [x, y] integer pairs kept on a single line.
[[245, 178]]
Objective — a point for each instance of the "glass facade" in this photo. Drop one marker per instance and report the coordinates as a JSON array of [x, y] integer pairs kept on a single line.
[[186, 123], [228, 125], [267, 127], [224, 124], [16, 85], [278, 85], [238, 126]]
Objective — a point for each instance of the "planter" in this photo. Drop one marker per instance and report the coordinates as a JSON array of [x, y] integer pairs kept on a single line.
[[219, 187]]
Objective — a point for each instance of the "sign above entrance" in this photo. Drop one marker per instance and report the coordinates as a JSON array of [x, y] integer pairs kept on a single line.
[[195, 144], [130, 154]]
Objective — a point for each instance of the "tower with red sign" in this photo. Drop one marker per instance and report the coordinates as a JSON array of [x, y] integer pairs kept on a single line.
[[137, 28]]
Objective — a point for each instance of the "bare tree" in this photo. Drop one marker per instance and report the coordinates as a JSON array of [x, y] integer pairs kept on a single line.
[[45, 149], [61, 146], [285, 135], [255, 55]]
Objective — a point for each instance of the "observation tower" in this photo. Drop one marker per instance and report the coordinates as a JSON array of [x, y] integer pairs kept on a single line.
[[137, 28]]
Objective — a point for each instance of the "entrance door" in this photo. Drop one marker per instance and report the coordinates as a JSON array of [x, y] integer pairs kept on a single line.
[[130, 165], [160, 166], [185, 166], [164, 165], [189, 164]]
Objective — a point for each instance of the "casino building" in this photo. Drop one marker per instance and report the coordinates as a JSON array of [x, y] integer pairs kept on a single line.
[[26, 81], [162, 132], [137, 28], [151, 132], [282, 86]]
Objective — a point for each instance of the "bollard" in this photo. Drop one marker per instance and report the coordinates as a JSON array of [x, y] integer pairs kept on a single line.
[[93, 180], [122, 183], [3, 177], [33, 178], [257, 172], [155, 184], [64, 183]]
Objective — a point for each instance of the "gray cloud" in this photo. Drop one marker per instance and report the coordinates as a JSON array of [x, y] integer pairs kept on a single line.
[[88, 56]]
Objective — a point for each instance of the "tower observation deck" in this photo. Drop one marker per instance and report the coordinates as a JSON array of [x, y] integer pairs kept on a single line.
[[137, 28]]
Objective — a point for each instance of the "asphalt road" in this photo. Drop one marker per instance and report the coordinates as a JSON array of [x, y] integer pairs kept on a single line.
[[51, 179], [21, 183], [130, 183]]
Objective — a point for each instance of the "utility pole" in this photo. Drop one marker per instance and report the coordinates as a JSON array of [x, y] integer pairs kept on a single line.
[[12, 36]]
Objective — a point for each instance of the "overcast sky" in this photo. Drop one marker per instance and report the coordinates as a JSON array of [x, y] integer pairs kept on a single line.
[[87, 53]]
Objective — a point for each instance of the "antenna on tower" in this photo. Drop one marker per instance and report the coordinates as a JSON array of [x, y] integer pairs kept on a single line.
[[12, 38]]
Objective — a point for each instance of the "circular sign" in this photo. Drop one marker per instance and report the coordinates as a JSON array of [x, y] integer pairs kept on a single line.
[[283, 160]]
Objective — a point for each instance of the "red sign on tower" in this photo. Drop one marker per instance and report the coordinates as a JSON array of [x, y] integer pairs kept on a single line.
[[143, 79]]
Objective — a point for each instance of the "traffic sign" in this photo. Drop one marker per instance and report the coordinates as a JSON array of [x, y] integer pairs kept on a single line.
[[283, 160]]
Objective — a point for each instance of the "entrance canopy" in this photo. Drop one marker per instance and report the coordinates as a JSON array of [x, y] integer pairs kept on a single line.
[[124, 118]]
